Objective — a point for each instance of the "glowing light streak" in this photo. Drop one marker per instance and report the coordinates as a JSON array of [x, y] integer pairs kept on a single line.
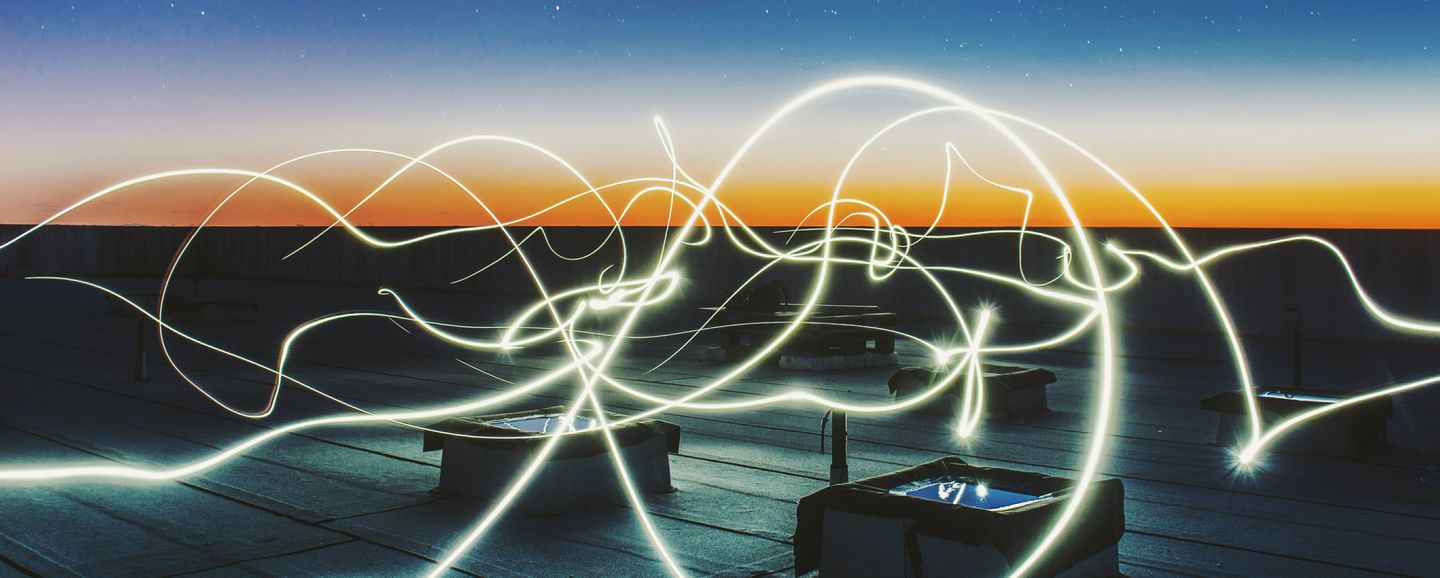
[[847, 221], [1250, 453], [1375, 309]]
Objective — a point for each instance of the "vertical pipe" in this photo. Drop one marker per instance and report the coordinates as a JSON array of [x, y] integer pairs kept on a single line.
[[839, 470]]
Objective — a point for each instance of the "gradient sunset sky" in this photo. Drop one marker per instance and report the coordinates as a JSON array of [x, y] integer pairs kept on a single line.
[[1226, 113]]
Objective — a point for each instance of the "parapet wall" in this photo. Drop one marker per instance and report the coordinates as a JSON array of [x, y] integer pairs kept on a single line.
[[1262, 288]]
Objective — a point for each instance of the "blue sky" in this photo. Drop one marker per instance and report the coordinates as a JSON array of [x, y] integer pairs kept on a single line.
[[93, 92]]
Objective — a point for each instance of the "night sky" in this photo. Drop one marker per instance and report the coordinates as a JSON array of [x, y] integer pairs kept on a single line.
[[1267, 106]]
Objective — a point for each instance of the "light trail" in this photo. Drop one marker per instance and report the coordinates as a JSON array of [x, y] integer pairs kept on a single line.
[[620, 289]]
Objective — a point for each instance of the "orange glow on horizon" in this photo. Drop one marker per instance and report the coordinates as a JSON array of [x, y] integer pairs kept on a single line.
[[1333, 206]]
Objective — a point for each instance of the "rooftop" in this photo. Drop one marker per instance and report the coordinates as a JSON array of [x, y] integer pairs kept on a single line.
[[359, 499]]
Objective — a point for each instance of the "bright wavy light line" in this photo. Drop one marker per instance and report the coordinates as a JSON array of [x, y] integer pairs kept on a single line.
[[1250, 453], [954, 309], [966, 361], [1021, 233], [288, 343], [1370, 304], [1237, 351], [356, 230], [540, 456], [340, 219], [184, 247], [668, 256], [630, 491], [661, 266], [296, 333], [1107, 373], [277, 372], [508, 341], [634, 199], [158, 474], [972, 408], [951, 153], [768, 400], [1106, 398], [512, 491], [1105, 402]]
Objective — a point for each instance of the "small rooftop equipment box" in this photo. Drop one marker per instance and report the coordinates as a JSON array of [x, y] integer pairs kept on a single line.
[[1347, 433], [1010, 392], [830, 337], [579, 471], [949, 518]]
